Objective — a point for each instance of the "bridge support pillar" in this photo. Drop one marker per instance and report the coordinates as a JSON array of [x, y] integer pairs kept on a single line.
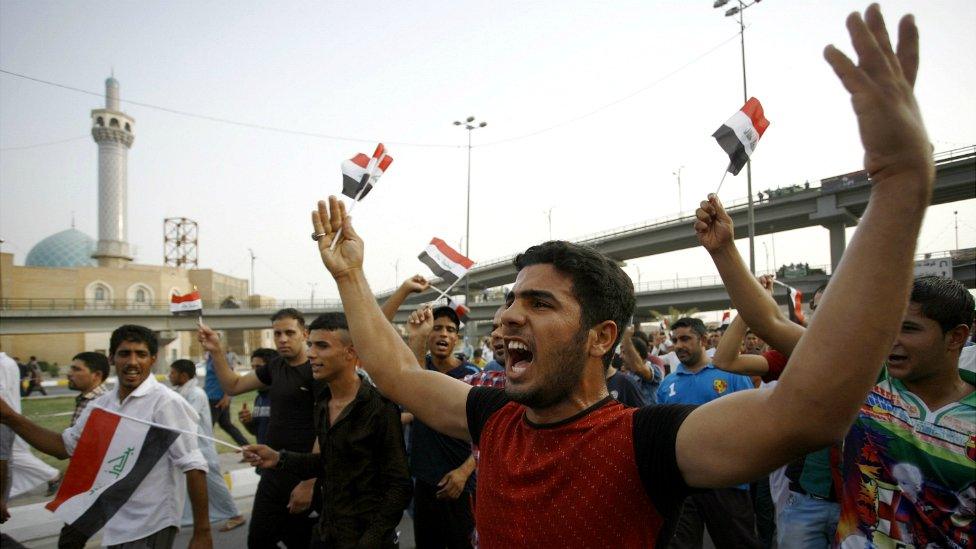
[[838, 243], [835, 219]]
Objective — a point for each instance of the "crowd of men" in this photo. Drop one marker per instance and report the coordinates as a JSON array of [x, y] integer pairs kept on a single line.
[[572, 428]]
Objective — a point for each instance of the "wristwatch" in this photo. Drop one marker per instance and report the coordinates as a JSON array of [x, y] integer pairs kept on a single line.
[[282, 456]]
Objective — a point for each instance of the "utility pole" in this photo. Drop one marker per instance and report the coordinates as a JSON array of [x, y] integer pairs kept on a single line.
[[253, 257], [678, 175]]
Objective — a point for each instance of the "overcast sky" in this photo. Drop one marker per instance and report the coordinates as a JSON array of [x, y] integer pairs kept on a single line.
[[655, 79]]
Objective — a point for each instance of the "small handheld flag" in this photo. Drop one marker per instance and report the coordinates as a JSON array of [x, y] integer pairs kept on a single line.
[[189, 304], [794, 304], [445, 261], [359, 175], [739, 136], [361, 172], [726, 318]]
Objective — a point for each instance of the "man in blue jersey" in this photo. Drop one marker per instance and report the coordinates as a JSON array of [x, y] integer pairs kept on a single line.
[[727, 512]]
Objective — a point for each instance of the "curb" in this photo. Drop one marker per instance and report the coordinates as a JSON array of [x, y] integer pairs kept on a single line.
[[33, 522]]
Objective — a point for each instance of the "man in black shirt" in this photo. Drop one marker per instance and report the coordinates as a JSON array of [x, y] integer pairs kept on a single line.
[[362, 464], [282, 501]]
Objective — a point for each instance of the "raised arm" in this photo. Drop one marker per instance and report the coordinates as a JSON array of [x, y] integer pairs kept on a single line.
[[438, 400], [759, 310], [44, 440], [727, 355], [413, 285], [631, 358], [837, 360], [230, 382]]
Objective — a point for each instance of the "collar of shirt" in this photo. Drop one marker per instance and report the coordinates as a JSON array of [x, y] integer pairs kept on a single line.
[[98, 391], [187, 387], [147, 385], [683, 370]]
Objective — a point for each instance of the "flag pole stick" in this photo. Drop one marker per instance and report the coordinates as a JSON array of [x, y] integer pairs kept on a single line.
[[167, 427], [725, 173], [444, 292], [351, 208]]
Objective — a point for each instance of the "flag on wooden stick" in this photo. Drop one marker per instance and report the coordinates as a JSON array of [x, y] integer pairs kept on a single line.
[[739, 136]]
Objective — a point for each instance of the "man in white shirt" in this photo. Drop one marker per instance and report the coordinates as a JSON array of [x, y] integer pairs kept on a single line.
[[150, 517], [9, 389]]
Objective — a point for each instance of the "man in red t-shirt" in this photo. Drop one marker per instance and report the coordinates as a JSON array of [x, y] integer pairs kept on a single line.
[[564, 465]]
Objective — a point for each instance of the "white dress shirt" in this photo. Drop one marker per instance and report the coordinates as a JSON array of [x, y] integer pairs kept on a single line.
[[158, 501]]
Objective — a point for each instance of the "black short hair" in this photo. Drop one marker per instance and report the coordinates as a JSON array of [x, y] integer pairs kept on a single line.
[[695, 324], [289, 312], [601, 287], [643, 336], [330, 322], [641, 347], [185, 366], [449, 312], [944, 300], [95, 362], [265, 354], [133, 334]]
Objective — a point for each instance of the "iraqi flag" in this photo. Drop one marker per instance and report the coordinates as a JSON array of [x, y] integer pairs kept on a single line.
[[113, 456], [189, 304], [361, 172], [461, 309], [444, 261], [726, 316], [739, 136], [794, 305]]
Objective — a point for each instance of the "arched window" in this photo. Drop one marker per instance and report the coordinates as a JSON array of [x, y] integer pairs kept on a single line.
[[139, 296], [128, 128], [100, 121], [114, 123], [98, 295]]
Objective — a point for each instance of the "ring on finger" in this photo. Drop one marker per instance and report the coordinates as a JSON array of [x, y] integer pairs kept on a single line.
[[317, 236]]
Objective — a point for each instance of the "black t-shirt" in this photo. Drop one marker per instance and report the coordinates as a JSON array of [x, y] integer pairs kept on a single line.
[[433, 455], [292, 390], [654, 433]]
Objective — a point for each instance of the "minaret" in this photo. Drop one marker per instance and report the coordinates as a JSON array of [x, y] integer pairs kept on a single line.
[[112, 130]]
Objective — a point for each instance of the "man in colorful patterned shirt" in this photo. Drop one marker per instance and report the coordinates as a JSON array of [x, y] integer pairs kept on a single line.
[[909, 469]]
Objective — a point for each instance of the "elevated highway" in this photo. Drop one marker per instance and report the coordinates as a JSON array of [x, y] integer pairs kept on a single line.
[[703, 293], [834, 203]]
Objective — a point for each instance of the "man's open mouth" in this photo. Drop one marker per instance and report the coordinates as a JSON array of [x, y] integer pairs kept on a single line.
[[518, 357]]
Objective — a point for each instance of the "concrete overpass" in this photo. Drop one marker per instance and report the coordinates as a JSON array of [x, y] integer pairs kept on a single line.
[[835, 203], [703, 293]]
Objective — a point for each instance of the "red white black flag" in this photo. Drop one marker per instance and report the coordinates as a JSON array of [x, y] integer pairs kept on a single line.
[[361, 172], [739, 136], [113, 456], [726, 318], [461, 309], [189, 304], [445, 261], [794, 305]]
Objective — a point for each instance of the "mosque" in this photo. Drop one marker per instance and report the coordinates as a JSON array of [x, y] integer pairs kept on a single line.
[[71, 269]]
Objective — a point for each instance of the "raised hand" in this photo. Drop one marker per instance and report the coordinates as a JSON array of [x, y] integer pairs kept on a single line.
[[209, 339], [348, 253], [713, 226], [881, 87], [766, 281], [420, 323], [244, 414], [415, 284]]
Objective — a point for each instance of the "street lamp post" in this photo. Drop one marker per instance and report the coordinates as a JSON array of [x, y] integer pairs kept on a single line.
[[469, 124], [678, 175], [738, 10], [253, 257]]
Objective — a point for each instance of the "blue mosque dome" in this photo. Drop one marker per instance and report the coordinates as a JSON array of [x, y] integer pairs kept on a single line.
[[68, 248]]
